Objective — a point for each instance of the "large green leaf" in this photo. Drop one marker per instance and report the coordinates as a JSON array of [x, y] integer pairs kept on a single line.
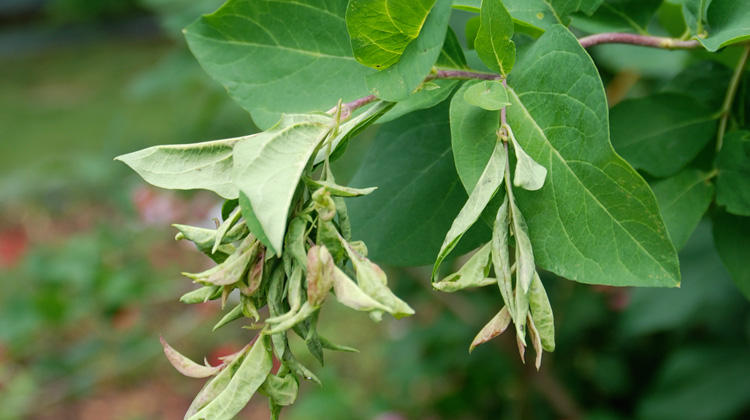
[[279, 56], [595, 220], [380, 30], [728, 23], [493, 42], [537, 13], [405, 220], [268, 168], [694, 12], [733, 183], [683, 199], [732, 239], [706, 81], [661, 133], [398, 81], [566, 7], [206, 166], [619, 16]]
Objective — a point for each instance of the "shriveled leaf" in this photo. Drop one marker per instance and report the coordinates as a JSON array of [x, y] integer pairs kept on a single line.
[[683, 199], [349, 294], [661, 133], [732, 240], [728, 23], [249, 376], [380, 30], [733, 182], [419, 193], [536, 341], [497, 325], [268, 168], [205, 166], [205, 239], [501, 255], [272, 65], [204, 294], [223, 230], [541, 312], [319, 274], [186, 366], [282, 390], [486, 187], [529, 174], [230, 271], [397, 82], [490, 95], [372, 280], [338, 190], [493, 43], [472, 274], [525, 268], [295, 241], [216, 385], [585, 176], [283, 323]]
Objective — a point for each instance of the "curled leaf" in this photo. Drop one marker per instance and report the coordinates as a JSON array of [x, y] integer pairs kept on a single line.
[[525, 267], [217, 384], [501, 256], [535, 341], [222, 231], [338, 190], [490, 95], [319, 274], [204, 294], [472, 274], [324, 204], [541, 311], [349, 294], [497, 325], [186, 366], [232, 315], [529, 174], [231, 270]]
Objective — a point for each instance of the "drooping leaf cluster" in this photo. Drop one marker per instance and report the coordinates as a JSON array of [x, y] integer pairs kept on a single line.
[[515, 163]]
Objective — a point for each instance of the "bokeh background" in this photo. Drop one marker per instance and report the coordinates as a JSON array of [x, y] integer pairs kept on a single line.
[[89, 270]]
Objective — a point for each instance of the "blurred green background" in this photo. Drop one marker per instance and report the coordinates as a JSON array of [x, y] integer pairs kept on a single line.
[[89, 271]]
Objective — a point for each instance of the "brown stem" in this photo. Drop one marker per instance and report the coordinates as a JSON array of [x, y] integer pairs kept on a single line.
[[633, 39]]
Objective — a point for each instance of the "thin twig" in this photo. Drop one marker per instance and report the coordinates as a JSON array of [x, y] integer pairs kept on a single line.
[[726, 107], [633, 39]]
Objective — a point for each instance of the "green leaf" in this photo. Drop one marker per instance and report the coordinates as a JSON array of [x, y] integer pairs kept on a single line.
[[233, 315], [493, 42], [661, 133], [279, 56], [380, 30], [525, 267], [253, 223], [452, 56], [733, 182], [473, 136], [541, 313], [251, 374], [485, 189], [349, 294], [419, 194], [352, 128], [268, 168], [422, 99], [536, 13], [472, 274], [216, 385], [694, 12], [490, 95], [501, 256], [398, 81], [529, 174], [282, 390], [732, 240], [206, 166], [204, 294], [706, 81], [728, 23], [582, 222], [232, 269], [619, 16], [683, 199], [566, 7], [338, 190]]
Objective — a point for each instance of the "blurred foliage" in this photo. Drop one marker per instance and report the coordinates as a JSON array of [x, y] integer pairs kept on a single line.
[[88, 281]]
